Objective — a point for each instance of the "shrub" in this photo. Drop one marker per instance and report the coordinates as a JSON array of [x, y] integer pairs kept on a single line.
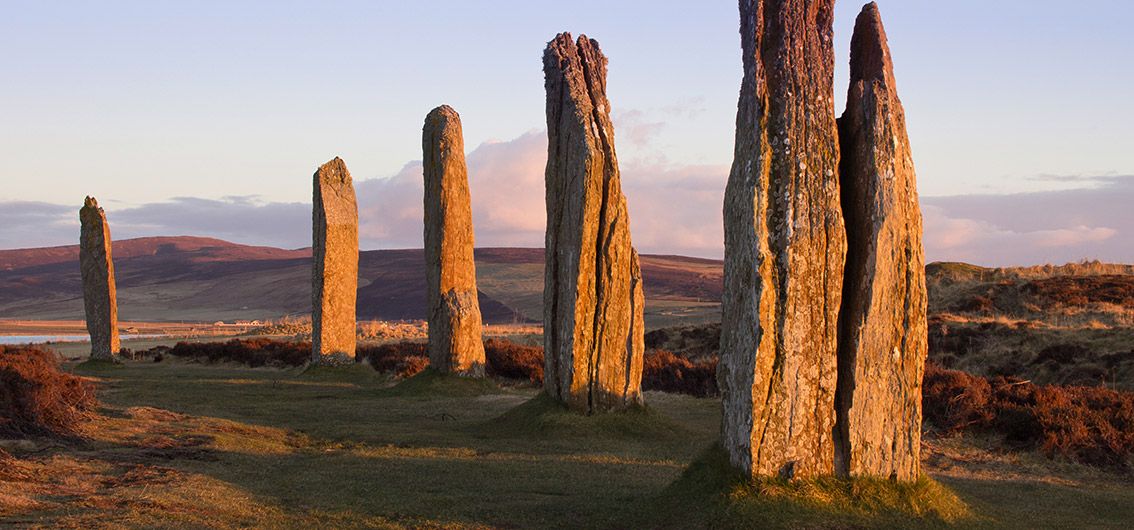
[[403, 359], [514, 361], [504, 359], [36, 398], [1092, 425], [664, 371], [252, 352], [953, 400]]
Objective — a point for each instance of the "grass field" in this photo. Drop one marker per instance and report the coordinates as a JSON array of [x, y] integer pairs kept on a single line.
[[182, 444]]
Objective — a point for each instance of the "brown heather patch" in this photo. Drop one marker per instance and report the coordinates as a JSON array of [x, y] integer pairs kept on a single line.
[[252, 352], [1091, 425], [37, 399], [403, 359], [509, 360], [664, 371]]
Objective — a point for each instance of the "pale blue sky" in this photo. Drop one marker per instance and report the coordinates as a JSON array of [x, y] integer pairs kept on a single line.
[[142, 101], [146, 100]]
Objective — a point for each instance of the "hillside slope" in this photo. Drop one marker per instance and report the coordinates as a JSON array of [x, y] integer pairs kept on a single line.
[[192, 278]]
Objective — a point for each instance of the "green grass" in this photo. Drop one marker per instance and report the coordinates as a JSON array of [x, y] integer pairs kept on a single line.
[[346, 447]]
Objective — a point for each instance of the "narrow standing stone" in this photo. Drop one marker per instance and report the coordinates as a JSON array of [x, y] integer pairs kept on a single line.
[[593, 337], [100, 298], [882, 326], [784, 246], [335, 271], [455, 343]]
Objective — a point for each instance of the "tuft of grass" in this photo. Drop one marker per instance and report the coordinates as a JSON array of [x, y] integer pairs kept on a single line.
[[545, 417], [430, 383], [711, 490]]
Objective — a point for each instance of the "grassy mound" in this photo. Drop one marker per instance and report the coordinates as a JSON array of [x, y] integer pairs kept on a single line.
[[98, 366], [353, 373], [710, 490], [430, 383], [544, 417], [37, 398]]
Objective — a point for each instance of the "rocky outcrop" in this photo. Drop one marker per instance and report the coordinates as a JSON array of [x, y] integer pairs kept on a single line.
[[335, 268], [882, 325], [784, 246], [593, 338], [455, 344], [100, 297]]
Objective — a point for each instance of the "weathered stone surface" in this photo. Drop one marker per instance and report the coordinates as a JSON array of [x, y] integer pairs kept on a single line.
[[784, 246], [882, 325], [593, 338], [335, 269], [100, 297], [455, 343]]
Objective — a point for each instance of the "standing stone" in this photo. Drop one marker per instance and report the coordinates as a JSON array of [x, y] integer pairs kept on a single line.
[[784, 246], [100, 298], [593, 338], [882, 326], [335, 272], [455, 343]]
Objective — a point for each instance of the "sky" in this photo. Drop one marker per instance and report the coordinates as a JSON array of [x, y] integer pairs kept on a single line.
[[208, 118]]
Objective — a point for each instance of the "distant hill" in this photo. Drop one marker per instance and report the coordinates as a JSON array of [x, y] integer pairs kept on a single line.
[[202, 279]]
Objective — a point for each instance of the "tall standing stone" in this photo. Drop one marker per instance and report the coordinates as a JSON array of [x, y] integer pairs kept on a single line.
[[784, 246], [100, 298], [455, 343], [592, 298], [883, 330], [335, 270]]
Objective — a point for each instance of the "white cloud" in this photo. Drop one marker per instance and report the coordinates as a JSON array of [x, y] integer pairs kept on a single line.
[[673, 210]]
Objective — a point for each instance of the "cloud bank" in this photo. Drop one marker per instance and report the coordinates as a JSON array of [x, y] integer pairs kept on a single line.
[[674, 209], [1092, 222]]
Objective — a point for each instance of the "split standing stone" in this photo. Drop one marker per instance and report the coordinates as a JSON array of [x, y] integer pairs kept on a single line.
[[455, 343], [883, 329], [593, 337], [335, 268], [784, 246], [100, 299]]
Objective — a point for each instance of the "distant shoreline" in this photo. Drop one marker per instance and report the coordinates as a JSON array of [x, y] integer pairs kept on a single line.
[[75, 328]]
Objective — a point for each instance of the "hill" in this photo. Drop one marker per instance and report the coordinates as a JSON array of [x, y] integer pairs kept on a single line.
[[203, 279]]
